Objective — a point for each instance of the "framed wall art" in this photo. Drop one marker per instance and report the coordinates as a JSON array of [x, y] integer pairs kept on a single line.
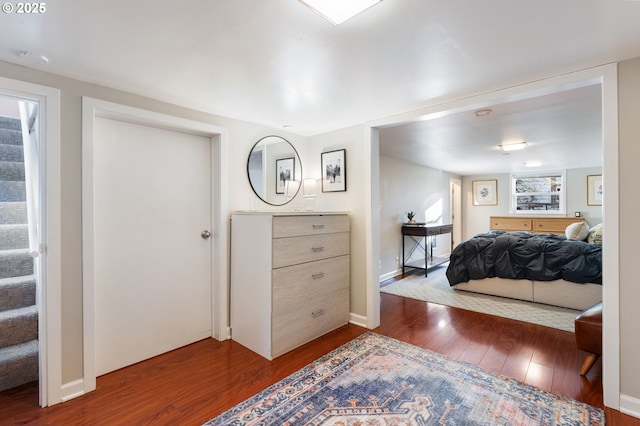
[[594, 190], [334, 171], [485, 192], [285, 170]]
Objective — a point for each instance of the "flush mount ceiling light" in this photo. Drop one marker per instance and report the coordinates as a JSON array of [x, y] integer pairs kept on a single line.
[[532, 164], [32, 58], [513, 146], [338, 11], [482, 112]]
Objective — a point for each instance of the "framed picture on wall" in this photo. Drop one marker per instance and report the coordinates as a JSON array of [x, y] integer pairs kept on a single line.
[[285, 170], [485, 192], [334, 171], [594, 190]]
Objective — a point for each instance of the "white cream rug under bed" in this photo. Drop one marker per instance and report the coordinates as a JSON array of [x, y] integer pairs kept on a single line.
[[435, 288]]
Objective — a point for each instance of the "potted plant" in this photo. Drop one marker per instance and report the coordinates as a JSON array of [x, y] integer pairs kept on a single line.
[[410, 216]]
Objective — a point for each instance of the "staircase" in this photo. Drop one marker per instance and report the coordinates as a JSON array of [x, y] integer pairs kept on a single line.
[[18, 309]]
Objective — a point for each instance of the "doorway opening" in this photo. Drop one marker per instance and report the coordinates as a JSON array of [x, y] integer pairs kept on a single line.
[[606, 77], [20, 247]]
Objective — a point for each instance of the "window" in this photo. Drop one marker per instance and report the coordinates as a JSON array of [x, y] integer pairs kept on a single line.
[[538, 193]]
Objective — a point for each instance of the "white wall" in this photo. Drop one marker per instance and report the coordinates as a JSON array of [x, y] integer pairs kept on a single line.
[[629, 153], [476, 218], [352, 200], [241, 137], [9, 107], [577, 195], [408, 187]]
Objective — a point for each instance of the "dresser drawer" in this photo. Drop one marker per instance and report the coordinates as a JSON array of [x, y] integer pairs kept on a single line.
[[294, 250], [510, 224], [293, 226], [294, 286], [553, 225], [308, 320]]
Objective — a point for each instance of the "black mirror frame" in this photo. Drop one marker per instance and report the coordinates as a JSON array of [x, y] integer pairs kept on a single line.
[[297, 156]]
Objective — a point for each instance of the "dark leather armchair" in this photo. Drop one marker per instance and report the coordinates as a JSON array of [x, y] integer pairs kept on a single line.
[[588, 331]]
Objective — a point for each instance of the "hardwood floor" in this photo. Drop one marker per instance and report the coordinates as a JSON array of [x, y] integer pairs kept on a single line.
[[190, 385]]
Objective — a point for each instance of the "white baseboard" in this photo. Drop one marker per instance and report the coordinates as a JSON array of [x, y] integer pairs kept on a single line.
[[358, 320], [391, 274], [630, 406], [72, 390]]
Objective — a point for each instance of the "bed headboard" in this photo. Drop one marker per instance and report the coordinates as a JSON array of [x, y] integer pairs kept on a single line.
[[540, 225]]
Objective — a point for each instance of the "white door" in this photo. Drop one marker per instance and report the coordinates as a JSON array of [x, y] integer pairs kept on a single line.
[[152, 201]]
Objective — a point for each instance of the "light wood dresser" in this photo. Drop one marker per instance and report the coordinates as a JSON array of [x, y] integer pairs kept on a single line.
[[539, 225], [290, 276]]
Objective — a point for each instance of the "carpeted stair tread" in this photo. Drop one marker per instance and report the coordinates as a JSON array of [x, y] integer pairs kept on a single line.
[[12, 153], [18, 325], [13, 212], [18, 364], [12, 171], [15, 263], [11, 191], [18, 309], [10, 137], [10, 123], [14, 236], [17, 292]]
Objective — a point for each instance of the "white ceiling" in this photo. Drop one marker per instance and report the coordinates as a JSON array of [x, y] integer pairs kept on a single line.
[[562, 130], [277, 63]]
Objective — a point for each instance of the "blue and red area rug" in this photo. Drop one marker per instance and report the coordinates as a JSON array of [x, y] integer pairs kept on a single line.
[[376, 380]]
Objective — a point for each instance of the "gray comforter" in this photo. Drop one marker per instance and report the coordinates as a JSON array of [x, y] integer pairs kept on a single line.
[[522, 255]]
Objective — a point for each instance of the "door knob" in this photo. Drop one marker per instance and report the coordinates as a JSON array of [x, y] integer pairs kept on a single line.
[[205, 234]]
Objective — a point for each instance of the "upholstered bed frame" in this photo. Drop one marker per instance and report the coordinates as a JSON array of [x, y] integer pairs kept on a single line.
[[557, 293]]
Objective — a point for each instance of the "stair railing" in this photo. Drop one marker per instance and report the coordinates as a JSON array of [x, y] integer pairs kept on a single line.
[[30, 136]]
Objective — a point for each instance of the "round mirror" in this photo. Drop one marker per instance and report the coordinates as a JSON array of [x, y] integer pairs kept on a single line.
[[274, 170]]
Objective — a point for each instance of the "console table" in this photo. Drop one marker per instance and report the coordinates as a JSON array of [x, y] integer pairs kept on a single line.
[[421, 236]]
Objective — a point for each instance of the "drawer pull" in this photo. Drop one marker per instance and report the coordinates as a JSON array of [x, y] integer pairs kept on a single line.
[[318, 226], [318, 313], [317, 249], [317, 276]]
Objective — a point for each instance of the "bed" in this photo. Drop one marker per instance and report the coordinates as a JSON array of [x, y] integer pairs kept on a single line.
[[542, 268]]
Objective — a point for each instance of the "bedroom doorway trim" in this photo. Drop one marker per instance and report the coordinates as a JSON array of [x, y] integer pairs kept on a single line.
[[455, 210], [50, 277], [92, 108], [606, 76]]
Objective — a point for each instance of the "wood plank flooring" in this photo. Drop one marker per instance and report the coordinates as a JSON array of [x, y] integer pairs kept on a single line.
[[190, 385]]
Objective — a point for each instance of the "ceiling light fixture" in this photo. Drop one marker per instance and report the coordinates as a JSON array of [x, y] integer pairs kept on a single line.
[[483, 112], [513, 146], [32, 58], [532, 164], [338, 11]]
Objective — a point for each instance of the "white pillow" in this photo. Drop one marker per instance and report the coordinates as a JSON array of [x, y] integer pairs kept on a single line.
[[595, 235], [577, 231]]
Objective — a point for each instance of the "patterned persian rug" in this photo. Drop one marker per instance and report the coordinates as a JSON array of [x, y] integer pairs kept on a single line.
[[435, 288], [376, 380]]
